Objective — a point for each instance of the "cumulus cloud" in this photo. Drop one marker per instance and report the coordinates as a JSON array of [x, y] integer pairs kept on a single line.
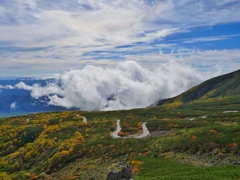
[[128, 85], [6, 87], [22, 85]]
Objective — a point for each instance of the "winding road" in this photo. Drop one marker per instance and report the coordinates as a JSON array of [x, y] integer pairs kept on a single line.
[[144, 127], [115, 133], [145, 131], [144, 134]]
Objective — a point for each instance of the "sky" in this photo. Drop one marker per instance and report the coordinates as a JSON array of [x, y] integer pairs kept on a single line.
[[118, 54], [43, 37]]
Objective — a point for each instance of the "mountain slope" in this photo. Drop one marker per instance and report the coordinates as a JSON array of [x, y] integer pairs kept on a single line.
[[224, 85], [60, 145]]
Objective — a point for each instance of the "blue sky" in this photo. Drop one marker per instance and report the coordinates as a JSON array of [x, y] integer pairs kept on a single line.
[[41, 37]]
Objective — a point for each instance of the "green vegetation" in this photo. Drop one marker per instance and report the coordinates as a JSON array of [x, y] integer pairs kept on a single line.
[[49, 145], [188, 140], [218, 87], [157, 169]]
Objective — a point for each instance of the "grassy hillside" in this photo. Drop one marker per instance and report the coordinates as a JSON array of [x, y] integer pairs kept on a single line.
[[225, 85], [197, 140], [192, 136]]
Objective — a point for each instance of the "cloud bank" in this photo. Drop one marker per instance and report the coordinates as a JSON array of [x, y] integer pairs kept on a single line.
[[128, 85]]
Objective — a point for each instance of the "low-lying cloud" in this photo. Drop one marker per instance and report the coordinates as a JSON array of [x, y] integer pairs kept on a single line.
[[128, 85], [6, 87], [13, 105]]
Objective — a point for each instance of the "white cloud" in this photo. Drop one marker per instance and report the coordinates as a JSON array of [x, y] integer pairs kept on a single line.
[[214, 62], [211, 38], [13, 106], [209, 62], [64, 31], [6, 87], [64, 23], [22, 85], [128, 85]]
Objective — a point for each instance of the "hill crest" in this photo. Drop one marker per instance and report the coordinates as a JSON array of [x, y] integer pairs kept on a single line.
[[220, 86]]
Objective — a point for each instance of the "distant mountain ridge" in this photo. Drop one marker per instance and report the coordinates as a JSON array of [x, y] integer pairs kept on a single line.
[[14, 101], [224, 85]]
